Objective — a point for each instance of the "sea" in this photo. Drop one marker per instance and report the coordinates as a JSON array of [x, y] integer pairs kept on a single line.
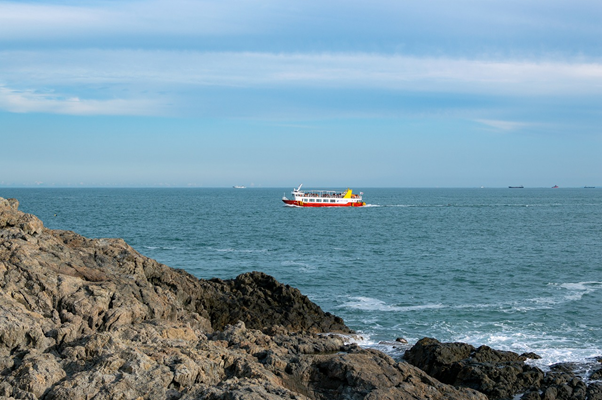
[[513, 269]]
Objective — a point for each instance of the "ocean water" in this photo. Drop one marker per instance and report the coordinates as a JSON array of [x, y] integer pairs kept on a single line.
[[515, 269]]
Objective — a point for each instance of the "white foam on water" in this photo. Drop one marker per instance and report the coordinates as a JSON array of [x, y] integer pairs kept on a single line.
[[566, 354], [304, 267], [573, 292], [372, 304], [231, 250], [509, 306], [526, 308], [577, 290], [545, 300], [551, 348]]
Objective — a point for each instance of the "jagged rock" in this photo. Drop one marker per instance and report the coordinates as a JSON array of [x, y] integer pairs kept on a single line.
[[373, 375], [562, 384], [438, 359], [93, 319], [260, 301], [531, 356], [596, 375], [567, 367], [594, 391], [498, 374]]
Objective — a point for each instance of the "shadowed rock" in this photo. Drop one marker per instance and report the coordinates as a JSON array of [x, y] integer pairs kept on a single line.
[[498, 374]]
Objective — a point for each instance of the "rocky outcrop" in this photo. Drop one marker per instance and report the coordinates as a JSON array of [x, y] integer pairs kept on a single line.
[[498, 374], [93, 319], [107, 283]]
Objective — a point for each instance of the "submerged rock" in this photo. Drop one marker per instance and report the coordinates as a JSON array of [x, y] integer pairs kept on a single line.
[[93, 319]]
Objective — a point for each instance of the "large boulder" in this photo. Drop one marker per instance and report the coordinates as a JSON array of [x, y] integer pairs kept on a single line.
[[498, 374], [260, 301]]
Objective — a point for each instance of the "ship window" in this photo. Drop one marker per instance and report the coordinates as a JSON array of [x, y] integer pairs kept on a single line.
[[319, 200], [333, 201], [311, 200]]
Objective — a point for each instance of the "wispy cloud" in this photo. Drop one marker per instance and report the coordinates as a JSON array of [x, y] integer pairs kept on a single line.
[[200, 17], [29, 101], [141, 82], [504, 125], [19, 20], [337, 70]]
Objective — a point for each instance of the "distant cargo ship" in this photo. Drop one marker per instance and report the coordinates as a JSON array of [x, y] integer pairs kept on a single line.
[[516, 187], [239, 187]]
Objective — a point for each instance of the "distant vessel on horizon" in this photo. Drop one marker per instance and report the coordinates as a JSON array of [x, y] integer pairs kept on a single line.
[[239, 187], [516, 187], [589, 187], [555, 187]]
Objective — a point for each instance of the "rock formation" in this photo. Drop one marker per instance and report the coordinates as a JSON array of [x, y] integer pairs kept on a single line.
[[93, 319], [498, 374]]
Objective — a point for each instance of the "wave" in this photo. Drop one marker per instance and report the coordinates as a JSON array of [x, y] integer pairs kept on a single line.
[[371, 304], [551, 348], [578, 289], [304, 267], [160, 247], [231, 250], [576, 292], [478, 205]]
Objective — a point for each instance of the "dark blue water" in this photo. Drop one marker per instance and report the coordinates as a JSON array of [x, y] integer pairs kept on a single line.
[[516, 269]]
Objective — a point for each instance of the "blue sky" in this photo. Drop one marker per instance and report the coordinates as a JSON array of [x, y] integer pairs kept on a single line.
[[272, 93]]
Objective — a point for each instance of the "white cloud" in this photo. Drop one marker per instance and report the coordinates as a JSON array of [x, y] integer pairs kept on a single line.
[[170, 69], [201, 17], [143, 82], [504, 125], [43, 21], [30, 101], [27, 20]]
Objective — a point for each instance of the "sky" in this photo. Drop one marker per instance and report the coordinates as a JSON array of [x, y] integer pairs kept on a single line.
[[272, 93]]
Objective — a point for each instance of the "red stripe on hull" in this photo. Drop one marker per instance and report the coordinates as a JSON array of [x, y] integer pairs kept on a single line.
[[303, 204]]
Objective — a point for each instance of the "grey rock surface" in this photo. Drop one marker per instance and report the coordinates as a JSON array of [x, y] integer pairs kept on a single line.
[[93, 319]]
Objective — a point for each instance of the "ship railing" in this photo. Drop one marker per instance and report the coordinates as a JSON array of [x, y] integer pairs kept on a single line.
[[325, 194]]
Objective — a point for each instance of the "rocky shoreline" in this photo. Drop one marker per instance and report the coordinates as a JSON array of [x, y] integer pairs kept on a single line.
[[93, 319]]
